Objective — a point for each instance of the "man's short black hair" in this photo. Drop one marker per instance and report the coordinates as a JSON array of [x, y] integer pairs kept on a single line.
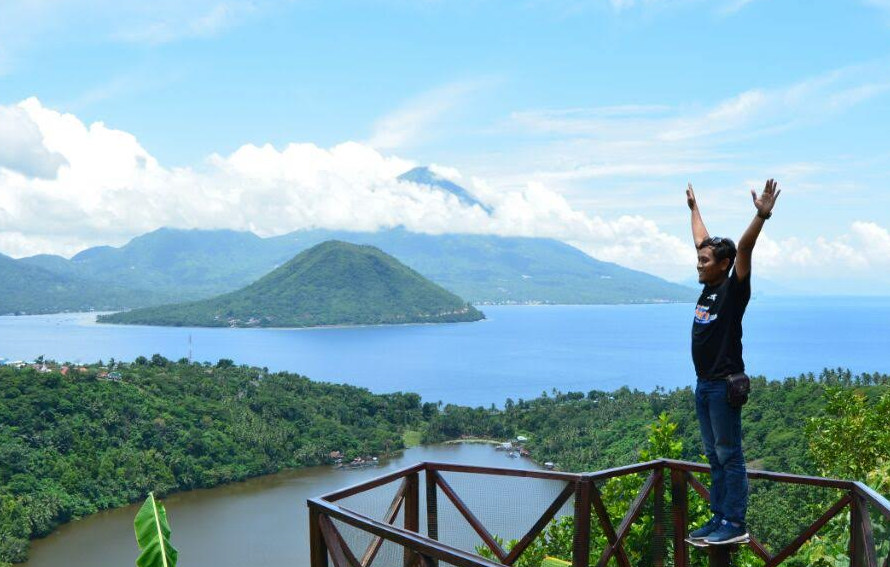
[[723, 248]]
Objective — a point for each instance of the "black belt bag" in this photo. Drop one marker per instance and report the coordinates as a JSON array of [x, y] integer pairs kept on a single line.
[[738, 386]]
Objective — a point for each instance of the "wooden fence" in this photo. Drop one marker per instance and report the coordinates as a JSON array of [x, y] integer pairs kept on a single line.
[[425, 550]]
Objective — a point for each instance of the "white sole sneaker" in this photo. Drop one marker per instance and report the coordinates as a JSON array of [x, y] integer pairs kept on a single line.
[[743, 538]]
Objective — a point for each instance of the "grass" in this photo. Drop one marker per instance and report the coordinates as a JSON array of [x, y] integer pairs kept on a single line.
[[411, 438]]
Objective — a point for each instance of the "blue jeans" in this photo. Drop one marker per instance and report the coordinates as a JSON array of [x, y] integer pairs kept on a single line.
[[721, 433]]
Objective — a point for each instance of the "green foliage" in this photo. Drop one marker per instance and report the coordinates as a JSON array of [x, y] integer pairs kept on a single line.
[[153, 535], [617, 494], [602, 430], [662, 440], [188, 265], [26, 288], [851, 439], [72, 445], [333, 283]]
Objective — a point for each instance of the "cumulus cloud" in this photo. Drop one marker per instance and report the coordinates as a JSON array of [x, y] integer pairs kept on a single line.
[[111, 189], [22, 147], [857, 260]]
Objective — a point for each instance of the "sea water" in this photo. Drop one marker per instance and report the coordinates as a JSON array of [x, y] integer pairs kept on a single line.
[[517, 352]]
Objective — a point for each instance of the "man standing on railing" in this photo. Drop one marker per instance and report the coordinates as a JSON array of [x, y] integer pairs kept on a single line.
[[717, 355]]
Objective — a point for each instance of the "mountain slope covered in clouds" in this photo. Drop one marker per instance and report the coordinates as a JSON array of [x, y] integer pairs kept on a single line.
[[194, 264]]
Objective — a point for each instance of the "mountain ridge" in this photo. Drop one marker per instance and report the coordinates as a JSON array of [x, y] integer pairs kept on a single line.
[[332, 283], [483, 269], [33, 289]]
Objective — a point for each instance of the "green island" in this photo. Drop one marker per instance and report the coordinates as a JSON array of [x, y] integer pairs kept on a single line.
[[78, 439], [332, 283]]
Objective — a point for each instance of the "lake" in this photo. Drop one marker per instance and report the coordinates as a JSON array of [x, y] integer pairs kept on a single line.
[[518, 352], [261, 522]]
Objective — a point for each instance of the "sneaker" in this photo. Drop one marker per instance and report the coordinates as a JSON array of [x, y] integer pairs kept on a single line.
[[727, 533], [707, 529]]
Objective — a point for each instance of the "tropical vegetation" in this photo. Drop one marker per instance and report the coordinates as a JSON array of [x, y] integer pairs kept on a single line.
[[102, 436], [105, 435], [333, 283]]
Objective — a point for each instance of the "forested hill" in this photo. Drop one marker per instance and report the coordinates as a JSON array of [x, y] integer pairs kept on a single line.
[[103, 437], [30, 289], [189, 265], [332, 283]]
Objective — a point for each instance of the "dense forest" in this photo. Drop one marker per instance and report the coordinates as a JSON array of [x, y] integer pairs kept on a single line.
[[332, 283], [833, 425], [102, 436], [594, 430]]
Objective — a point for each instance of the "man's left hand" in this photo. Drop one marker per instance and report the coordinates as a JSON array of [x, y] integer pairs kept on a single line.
[[767, 200]]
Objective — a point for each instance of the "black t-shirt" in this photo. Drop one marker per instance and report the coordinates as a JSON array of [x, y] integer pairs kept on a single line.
[[717, 328]]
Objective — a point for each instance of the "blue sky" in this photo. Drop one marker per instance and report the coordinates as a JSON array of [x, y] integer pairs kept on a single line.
[[579, 120]]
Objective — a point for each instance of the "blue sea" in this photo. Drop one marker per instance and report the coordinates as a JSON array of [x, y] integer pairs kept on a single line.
[[517, 352]]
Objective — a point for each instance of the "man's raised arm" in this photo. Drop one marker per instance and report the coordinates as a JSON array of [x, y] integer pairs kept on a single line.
[[699, 232], [764, 205]]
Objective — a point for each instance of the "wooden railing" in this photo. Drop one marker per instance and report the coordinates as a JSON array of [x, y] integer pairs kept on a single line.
[[419, 550]]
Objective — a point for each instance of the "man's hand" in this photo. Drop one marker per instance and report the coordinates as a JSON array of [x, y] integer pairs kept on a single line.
[[690, 197], [765, 202]]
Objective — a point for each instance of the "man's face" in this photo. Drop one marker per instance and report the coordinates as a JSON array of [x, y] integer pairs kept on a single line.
[[710, 271]]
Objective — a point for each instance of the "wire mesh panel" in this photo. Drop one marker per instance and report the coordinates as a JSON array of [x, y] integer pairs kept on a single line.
[[376, 502], [623, 521], [881, 528], [637, 518], [354, 547], [503, 508], [372, 551], [780, 512]]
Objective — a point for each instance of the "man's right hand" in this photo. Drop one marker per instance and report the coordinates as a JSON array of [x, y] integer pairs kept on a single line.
[[690, 197]]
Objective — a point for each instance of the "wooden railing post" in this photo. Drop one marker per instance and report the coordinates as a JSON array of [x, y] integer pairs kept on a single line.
[[581, 542], [412, 510], [720, 555], [680, 513], [432, 508], [862, 540], [432, 505], [318, 551], [659, 549]]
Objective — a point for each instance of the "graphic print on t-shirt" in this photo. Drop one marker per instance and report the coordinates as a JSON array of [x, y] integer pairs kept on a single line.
[[703, 315]]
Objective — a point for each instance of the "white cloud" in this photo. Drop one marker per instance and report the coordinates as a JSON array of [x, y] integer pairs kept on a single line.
[[22, 147], [734, 6], [862, 253], [166, 21], [652, 141], [723, 7], [26, 23], [621, 4], [416, 118], [882, 4], [111, 189]]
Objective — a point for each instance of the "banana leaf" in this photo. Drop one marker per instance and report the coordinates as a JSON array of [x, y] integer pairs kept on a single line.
[[153, 535]]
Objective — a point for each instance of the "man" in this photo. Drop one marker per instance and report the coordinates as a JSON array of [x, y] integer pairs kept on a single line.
[[717, 353]]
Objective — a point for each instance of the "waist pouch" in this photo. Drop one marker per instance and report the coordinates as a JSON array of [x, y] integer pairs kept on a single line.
[[738, 386]]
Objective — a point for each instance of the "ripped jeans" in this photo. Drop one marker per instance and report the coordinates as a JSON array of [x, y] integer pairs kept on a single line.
[[721, 433]]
